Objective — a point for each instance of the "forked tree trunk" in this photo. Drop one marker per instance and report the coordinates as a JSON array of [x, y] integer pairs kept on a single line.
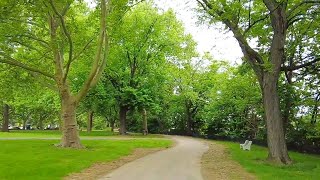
[[70, 134], [277, 147], [5, 123], [123, 116], [90, 121], [145, 122]]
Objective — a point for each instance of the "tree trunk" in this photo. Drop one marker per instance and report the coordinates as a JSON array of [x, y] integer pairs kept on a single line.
[[24, 124], [70, 134], [287, 110], [189, 125], [41, 118], [315, 110], [90, 121], [112, 125], [277, 147], [123, 117], [189, 119], [145, 122], [5, 123]]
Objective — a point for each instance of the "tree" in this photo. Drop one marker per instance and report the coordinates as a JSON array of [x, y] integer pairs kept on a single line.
[[234, 109], [52, 21], [136, 57], [251, 19]]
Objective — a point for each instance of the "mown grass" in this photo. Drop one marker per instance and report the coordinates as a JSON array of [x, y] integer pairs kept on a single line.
[[39, 159], [57, 133], [304, 167]]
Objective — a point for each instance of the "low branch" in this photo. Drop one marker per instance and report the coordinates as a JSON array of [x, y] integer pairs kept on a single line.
[[43, 83], [14, 62], [30, 36]]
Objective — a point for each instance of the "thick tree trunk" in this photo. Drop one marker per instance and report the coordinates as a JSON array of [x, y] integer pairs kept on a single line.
[[5, 123], [278, 152], [70, 134], [90, 121], [123, 117], [145, 122]]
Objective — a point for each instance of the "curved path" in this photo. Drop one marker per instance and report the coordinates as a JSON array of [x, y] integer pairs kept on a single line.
[[182, 162]]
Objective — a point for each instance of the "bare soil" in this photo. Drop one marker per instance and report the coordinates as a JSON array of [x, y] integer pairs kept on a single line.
[[99, 169], [216, 163]]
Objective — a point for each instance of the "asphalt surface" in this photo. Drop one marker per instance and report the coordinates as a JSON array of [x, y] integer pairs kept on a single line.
[[182, 162]]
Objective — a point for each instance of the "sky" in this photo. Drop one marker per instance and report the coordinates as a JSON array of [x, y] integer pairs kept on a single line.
[[215, 39]]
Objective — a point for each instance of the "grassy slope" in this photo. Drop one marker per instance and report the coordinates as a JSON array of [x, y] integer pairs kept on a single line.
[[38, 159], [304, 167]]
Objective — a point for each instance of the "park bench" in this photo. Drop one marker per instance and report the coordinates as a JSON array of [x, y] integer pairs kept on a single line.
[[246, 145]]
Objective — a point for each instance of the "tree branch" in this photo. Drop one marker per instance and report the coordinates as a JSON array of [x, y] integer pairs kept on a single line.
[[42, 42], [253, 57], [300, 4], [97, 69], [66, 32], [292, 68], [83, 49], [14, 62]]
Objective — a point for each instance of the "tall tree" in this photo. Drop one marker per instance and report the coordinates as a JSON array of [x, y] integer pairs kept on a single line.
[[47, 32], [246, 19], [136, 57]]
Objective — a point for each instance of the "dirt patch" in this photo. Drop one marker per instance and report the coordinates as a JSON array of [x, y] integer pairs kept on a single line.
[[99, 169], [217, 164]]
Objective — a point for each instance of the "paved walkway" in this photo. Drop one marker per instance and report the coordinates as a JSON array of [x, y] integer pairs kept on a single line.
[[182, 162]]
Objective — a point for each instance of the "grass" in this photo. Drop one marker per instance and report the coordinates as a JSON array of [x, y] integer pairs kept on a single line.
[[57, 134], [39, 159], [305, 166]]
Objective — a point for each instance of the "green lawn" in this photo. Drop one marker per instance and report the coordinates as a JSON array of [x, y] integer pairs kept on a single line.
[[57, 133], [39, 159], [305, 166]]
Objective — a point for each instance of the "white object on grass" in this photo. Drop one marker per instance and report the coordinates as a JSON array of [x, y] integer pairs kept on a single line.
[[246, 145]]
